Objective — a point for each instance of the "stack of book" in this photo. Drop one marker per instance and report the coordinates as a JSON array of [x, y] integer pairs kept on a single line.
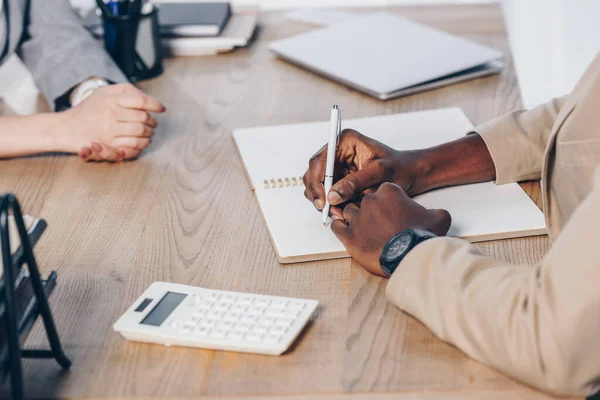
[[194, 28]]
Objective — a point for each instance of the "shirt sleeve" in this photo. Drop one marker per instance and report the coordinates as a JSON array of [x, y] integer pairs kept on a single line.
[[539, 324], [517, 141], [59, 52]]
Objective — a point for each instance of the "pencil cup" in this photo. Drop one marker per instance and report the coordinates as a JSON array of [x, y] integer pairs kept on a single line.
[[133, 41]]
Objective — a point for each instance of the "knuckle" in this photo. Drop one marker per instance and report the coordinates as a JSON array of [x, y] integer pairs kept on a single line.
[[352, 184], [387, 187], [384, 168], [142, 100], [349, 133], [305, 179], [368, 200], [137, 129], [310, 188], [314, 160], [143, 143]]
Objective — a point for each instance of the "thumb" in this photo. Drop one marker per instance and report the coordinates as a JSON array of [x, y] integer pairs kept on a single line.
[[352, 185]]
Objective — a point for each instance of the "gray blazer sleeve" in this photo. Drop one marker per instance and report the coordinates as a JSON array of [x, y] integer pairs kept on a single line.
[[59, 52]]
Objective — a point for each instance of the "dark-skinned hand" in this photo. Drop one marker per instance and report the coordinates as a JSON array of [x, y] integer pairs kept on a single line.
[[367, 227], [362, 164]]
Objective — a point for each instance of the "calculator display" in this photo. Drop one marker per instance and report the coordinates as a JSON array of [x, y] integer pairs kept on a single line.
[[163, 309]]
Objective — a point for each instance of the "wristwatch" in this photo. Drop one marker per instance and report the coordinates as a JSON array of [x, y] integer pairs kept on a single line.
[[398, 247]]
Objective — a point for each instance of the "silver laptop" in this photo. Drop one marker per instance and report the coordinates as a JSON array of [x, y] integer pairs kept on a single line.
[[387, 56]]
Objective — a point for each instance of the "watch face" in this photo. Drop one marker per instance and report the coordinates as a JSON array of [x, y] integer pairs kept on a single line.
[[398, 246]]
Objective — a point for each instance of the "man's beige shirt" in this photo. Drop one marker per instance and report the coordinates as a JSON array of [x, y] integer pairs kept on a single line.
[[541, 323]]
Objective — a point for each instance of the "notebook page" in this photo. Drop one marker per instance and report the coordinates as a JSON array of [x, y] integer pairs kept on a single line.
[[479, 212], [284, 150]]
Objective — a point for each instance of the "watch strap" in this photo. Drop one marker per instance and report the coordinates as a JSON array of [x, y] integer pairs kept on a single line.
[[418, 236]]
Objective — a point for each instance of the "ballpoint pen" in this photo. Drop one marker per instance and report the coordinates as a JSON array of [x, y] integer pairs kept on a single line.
[[334, 131]]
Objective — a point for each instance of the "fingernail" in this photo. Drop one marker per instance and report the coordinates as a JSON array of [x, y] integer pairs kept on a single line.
[[96, 147], [335, 217], [122, 153], [334, 198], [319, 204]]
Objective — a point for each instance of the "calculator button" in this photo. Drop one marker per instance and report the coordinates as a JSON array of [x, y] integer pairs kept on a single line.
[[250, 318], [266, 321], [229, 298], [255, 310], [221, 306], [253, 337], [292, 313], [189, 324], [278, 330], [214, 314], [238, 308], [218, 333], [272, 338], [213, 296], [201, 332], [279, 303], [225, 325], [275, 312], [242, 327], [208, 323], [262, 302], [285, 322], [232, 316], [245, 300], [297, 305], [198, 314], [205, 305], [236, 335], [175, 324], [259, 330]]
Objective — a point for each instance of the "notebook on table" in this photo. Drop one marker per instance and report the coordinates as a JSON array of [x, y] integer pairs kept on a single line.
[[276, 157], [387, 56]]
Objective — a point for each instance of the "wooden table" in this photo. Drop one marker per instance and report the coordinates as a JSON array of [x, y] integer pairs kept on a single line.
[[184, 213]]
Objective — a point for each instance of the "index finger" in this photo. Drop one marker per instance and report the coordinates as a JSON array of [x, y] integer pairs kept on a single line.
[[140, 101], [313, 179]]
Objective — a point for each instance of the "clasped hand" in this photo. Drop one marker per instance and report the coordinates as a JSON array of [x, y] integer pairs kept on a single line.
[[370, 198], [113, 124]]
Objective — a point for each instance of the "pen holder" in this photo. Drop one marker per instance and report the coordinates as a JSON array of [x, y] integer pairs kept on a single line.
[[133, 41]]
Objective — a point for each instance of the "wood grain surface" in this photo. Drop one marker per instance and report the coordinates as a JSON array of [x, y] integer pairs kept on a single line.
[[183, 213]]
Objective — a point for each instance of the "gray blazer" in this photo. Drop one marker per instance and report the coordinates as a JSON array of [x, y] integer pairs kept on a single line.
[[58, 51]]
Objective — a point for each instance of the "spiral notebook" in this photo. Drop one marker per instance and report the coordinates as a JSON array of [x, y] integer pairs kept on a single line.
[[276, 157]]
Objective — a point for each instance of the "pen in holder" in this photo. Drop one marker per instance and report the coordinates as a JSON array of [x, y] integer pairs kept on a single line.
[[133, 41]]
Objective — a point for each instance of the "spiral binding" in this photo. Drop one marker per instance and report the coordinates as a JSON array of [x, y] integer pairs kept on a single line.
[[276, 183]]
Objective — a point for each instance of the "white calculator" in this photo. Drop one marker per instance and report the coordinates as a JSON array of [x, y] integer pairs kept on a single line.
[[181, 315]]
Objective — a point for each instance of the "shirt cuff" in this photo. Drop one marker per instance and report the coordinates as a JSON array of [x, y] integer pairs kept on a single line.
[[413, 272], [515, 157]]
